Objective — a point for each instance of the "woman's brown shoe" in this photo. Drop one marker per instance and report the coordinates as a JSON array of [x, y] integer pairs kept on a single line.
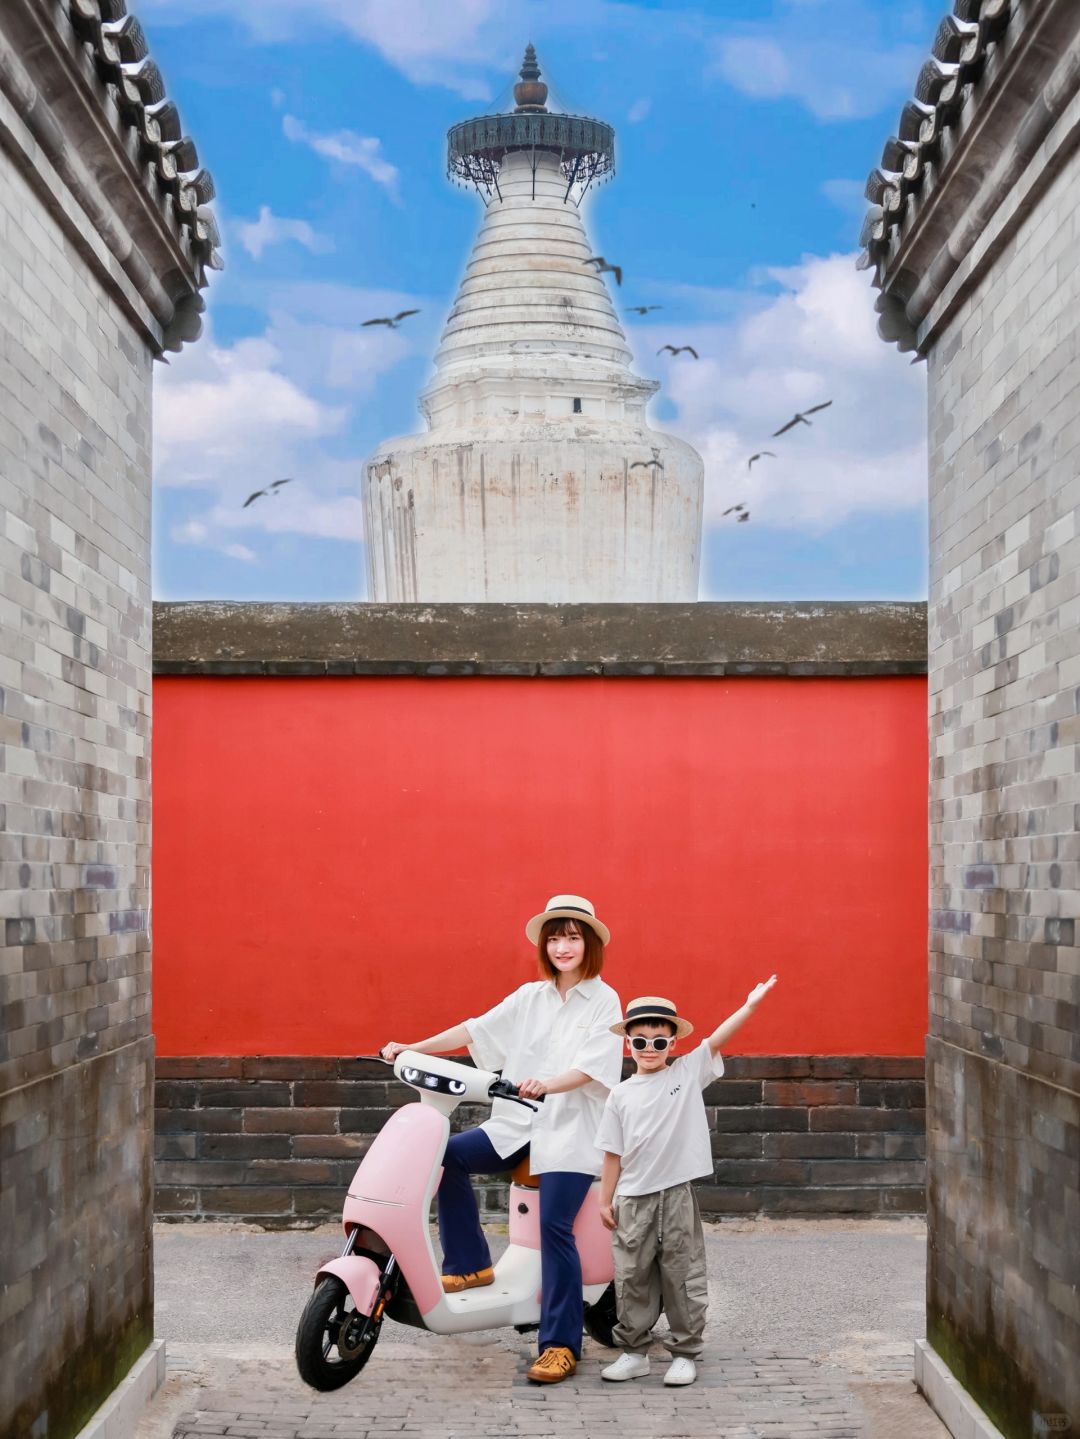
[[553, 1366], [455, 1283]]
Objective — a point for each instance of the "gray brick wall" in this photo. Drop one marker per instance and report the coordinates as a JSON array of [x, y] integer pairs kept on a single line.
[[103, 252], [77, 336], [75, 1048], [1003, 1052], [276, 1139]]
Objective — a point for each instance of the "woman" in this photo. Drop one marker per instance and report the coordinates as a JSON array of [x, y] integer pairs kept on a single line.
[[559, 1026]]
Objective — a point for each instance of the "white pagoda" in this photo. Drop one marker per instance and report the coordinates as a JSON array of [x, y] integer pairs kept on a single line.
[[538, 478]]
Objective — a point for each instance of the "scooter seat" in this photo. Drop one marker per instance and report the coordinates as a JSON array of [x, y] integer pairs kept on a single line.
[[523, 1176]]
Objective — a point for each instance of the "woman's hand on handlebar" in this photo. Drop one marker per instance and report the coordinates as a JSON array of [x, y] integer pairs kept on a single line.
[[391, 1051], [532, 1089]]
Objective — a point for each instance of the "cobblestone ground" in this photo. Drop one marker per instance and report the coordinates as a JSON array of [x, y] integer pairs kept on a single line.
[[422, 1386], [451, 1390]]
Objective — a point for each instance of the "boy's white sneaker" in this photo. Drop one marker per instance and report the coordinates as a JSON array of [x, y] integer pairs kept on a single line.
[[680, 1371], [628, 1366]]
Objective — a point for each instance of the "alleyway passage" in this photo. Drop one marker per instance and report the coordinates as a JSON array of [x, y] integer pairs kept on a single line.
[[810, 1337]]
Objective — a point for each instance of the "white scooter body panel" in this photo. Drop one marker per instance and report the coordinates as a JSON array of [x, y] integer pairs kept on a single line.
[[514, 1297]]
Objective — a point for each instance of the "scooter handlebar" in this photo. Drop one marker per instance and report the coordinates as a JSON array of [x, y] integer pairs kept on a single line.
[[506, 1089], [498, 1089]]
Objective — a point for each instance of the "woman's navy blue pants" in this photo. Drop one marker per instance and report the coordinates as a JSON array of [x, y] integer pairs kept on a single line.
[[465, 1247]]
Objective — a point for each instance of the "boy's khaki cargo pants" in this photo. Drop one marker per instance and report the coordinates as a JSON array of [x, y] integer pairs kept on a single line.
[[659, 1253]]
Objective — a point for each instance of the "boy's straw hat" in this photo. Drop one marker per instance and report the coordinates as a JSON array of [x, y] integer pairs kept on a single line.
[[567, 906], [651, 1008]]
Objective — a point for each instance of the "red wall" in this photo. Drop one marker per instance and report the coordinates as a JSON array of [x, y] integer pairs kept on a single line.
[[338, 862]]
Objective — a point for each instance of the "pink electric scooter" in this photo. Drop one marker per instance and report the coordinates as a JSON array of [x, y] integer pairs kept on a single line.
[[388, 1267]]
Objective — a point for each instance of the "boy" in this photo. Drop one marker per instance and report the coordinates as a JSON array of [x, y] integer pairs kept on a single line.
[[655, 1138]]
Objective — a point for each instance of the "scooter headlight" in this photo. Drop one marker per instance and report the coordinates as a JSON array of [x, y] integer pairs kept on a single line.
[[410, 1075], [456, 1086], [431, 1081]]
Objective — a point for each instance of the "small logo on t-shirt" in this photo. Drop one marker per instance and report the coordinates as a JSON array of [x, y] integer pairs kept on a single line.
[[673, 1092]]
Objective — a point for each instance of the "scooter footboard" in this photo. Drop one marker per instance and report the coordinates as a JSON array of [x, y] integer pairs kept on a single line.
[[361, 1278]]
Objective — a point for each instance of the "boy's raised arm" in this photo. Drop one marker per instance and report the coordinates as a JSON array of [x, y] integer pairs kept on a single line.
[[723, 1032]]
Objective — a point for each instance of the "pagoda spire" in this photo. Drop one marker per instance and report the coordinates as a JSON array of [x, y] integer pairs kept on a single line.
[[530, 93]]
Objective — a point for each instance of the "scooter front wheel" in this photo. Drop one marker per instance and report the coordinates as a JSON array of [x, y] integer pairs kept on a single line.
[[333, 1340]]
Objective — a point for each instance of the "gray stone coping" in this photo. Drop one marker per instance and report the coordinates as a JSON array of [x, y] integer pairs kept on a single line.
[[843, 638]]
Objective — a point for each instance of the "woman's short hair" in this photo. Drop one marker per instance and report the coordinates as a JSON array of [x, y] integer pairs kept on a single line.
[[593, 961]]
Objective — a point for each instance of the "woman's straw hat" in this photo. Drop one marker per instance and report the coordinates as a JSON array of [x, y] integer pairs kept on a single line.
[[567, 906]]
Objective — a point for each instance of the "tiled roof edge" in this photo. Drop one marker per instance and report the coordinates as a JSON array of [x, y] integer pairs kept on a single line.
[[97, 55], [964, 41]]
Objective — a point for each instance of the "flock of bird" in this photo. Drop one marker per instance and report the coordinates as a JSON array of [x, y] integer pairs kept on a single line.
[[740, 511]]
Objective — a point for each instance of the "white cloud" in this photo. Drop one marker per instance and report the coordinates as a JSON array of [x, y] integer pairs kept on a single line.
[[836, 79], [222, 413], [271, 229], [230, 418], [193, 532], [348, 148], [301, 510], [638, 110], [473, 47], [429, 41], [197, 532], [815, 340]]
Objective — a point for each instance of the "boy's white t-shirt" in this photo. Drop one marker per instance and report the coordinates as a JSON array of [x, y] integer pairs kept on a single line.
[[656, 1123]]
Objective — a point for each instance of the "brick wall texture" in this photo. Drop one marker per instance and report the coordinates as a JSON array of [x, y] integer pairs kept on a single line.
[[277, 1139], [75, 1046], [1003, 1053]]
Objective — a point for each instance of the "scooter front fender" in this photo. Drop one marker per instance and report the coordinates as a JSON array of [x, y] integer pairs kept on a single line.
[[361, 1278]]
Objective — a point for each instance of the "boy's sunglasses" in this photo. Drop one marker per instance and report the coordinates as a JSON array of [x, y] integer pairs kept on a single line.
[[641, 1041]]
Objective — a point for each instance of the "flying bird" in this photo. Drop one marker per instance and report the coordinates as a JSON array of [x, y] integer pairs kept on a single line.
[[642, 309], [736, 510], [678, 349], [800, 418], [270, 489], [392, 322], [760, 456], [602, 266]]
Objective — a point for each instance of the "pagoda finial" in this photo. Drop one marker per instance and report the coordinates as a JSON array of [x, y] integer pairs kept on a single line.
[[530, 93]]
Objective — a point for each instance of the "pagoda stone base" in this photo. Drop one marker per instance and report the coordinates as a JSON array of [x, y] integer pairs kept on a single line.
[[540, 517]]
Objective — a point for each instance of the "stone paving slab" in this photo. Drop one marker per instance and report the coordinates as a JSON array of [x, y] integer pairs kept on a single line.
[[459, 1393], [452, 1389], [810, 1336]]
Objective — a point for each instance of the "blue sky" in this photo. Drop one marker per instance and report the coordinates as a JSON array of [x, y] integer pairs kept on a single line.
[[744, 132]]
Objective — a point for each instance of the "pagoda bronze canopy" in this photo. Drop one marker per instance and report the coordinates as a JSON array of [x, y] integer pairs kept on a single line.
[[585, 147]]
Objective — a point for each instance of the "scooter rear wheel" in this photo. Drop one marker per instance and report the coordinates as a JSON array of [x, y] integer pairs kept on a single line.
[[333, 1341]]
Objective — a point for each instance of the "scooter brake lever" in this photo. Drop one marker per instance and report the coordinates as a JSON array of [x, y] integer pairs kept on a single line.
[[373, 1056], [513, 1098]]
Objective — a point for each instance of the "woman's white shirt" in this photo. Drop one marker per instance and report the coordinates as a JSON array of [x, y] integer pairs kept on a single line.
[[535, 1033]]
